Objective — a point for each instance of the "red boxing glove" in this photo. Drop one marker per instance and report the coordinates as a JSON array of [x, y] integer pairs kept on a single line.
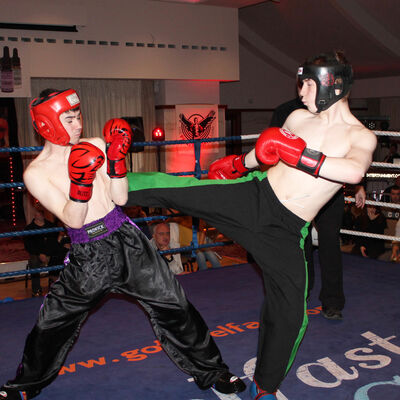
[[85, 159], [229, 167], [118, 135], [276, 144]]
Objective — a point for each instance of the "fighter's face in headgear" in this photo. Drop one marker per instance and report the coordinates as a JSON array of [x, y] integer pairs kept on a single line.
[[333, 82], [45, 113]]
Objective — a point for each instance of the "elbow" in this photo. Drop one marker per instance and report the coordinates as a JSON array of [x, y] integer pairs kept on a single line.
[[356, 176], [74, 224], [121, 199]]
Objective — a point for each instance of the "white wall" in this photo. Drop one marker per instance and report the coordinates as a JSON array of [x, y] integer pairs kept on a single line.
[[261, 85], [150, 23], [378, 87], [170, 92]]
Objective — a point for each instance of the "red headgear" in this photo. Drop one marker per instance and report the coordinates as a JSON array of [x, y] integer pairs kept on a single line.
[[45, 113]]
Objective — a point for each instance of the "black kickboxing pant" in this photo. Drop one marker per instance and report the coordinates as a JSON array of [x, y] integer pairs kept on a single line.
[[121, 261], [248, 212]]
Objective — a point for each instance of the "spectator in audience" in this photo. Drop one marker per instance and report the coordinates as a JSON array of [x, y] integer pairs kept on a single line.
[[392, 196], [162, 241], [182, 233], [58, 252], [138, 212], [395, 194], [372, 221], [351, 212], [393, 154], [206, 254], [44, 249], [386, 193], [395, 255]]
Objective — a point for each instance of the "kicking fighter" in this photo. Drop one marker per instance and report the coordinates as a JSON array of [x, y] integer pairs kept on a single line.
[[108, 254], [268, 213]]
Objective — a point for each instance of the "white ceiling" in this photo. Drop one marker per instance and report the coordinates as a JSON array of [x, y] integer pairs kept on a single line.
[[221, 3], [285, 32]]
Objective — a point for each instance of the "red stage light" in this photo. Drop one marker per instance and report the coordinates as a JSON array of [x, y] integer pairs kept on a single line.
[[158, 134]]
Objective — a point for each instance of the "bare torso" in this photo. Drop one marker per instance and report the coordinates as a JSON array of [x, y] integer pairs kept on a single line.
[[301, 193], [50, 169]]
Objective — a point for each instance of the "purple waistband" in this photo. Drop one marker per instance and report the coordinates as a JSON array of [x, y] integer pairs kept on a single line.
[[100, 228]]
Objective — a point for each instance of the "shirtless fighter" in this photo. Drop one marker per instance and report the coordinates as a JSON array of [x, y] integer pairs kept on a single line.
[[108, 254], [268, 213]]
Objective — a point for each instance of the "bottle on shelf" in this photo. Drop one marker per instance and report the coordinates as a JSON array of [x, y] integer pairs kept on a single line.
[[7, 76], [16, 66]]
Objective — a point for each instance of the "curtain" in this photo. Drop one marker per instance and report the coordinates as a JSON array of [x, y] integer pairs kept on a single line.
[[26, 137], [101, 99]]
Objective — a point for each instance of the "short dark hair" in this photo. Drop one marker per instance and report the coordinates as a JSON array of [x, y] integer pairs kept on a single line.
[[322, 59], [47, 92]]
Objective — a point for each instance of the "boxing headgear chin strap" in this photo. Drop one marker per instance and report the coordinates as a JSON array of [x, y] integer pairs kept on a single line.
[[327, 80], [46, 113]]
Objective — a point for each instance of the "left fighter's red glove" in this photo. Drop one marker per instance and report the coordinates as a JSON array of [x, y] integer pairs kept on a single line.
[[277, 143], [118, 136], [83, 162]]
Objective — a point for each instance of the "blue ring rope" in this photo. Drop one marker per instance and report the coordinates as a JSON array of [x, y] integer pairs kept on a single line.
[[59, 267], [21, 185], [198, 171], [134, 144], [29, 232]]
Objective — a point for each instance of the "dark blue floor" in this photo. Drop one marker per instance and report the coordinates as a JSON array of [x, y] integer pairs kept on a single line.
[[116, 357]]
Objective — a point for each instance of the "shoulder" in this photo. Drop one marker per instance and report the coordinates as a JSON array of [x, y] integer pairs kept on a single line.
[[361, 134], [33, 171], [97, 141], [296, 117]]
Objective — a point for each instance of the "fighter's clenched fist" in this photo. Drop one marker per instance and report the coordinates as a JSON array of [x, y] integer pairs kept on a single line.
[[276, 144], [85, 159], [118, 136]]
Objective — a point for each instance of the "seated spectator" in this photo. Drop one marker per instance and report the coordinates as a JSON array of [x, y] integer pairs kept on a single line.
[[162, 241], [387, 190], [204, 255], [352, 211], [182, 230], [395, 256], [57, 250], [393, 154], [138, 212], [372, 221], [393, 196], [44, 249]]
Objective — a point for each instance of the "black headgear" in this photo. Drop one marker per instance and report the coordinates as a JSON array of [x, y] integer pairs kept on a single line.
[[326, 78]]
